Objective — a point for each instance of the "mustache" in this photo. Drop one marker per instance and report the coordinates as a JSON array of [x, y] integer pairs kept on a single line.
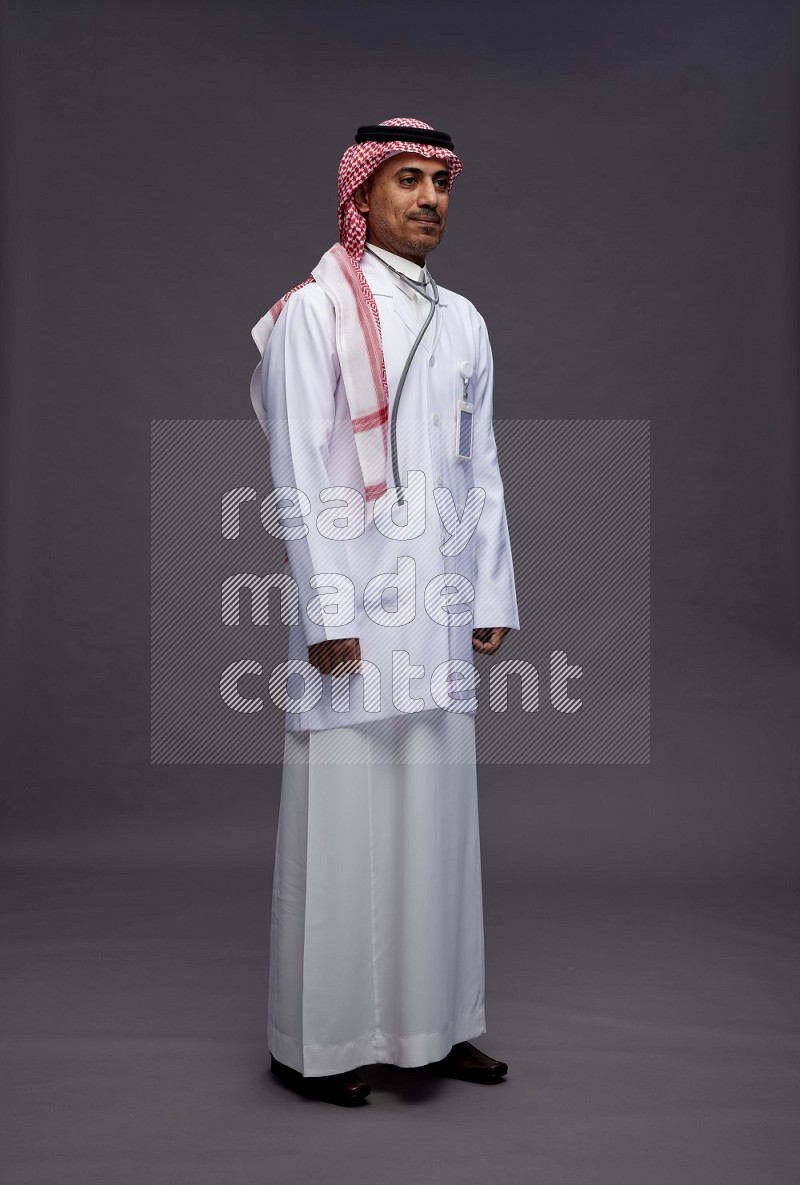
[[431, 217]]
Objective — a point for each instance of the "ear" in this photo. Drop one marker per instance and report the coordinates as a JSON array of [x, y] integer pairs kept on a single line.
[[361, 199]]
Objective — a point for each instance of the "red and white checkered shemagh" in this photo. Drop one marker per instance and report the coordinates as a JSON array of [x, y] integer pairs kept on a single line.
[[359, 330]]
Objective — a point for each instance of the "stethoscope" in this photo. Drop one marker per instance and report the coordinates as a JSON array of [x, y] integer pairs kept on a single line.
[[419, 287]]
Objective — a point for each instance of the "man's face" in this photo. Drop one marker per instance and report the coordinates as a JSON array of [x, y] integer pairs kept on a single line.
[[405, 203]]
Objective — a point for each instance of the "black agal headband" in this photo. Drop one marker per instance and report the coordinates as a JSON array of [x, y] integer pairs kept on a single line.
[[381, 134]]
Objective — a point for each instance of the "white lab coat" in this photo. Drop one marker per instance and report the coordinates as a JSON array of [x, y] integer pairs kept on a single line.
[[312, 448]]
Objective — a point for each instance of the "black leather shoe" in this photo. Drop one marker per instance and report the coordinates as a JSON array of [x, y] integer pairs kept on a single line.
[[466, 1062], [345, 1090]]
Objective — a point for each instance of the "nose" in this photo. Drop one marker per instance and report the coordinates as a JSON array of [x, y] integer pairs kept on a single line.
[[428, 194]]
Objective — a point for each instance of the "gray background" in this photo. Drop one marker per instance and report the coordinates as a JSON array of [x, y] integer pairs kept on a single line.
[[626, 224]]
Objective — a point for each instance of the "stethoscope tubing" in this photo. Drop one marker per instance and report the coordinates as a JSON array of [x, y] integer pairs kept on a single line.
[[433, 301]]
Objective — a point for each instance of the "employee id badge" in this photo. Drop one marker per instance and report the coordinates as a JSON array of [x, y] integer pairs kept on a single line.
[[464, 412]]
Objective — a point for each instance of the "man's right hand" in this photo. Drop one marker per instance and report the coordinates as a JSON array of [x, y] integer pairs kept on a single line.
[[341, 656]]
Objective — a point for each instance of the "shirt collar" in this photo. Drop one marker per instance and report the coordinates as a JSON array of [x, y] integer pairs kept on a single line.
[[400, 264], [381, 280]]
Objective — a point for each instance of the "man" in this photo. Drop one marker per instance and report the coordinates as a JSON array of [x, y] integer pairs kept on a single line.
[[375, 391]]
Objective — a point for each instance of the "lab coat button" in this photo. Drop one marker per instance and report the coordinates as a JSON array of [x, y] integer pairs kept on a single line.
[[435, 418], [432, 362], [438, 478]]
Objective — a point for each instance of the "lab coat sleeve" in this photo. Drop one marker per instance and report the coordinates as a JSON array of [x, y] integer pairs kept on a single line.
[[495, 601], [299, 376]]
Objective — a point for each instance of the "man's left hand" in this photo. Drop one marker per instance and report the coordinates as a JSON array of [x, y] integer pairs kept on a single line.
[[486, 641]]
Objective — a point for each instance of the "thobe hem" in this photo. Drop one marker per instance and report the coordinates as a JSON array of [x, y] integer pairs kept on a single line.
[[376, 945], [417, 1049]]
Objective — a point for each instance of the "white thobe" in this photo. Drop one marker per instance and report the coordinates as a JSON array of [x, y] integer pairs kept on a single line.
[[376, 943]]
